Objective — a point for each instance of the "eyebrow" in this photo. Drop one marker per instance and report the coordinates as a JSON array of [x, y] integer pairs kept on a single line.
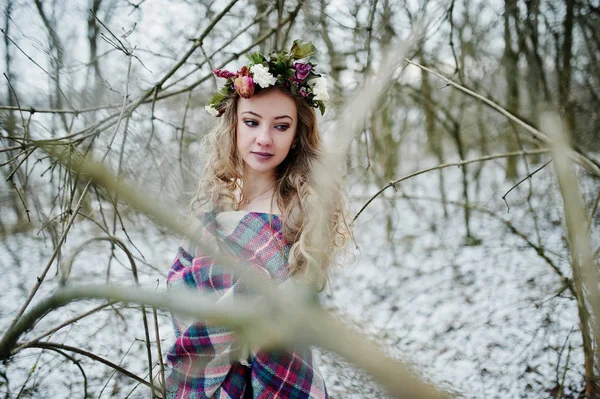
[[277, 117]]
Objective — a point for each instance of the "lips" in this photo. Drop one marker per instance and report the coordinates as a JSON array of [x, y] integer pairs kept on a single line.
[[262, 155]]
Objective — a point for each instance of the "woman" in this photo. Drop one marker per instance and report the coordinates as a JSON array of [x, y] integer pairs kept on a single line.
[[254, 202]]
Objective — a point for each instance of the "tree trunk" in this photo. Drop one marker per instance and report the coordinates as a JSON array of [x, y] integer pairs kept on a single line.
[[434, 139], [93, 33], [511, 59], [564, 88]]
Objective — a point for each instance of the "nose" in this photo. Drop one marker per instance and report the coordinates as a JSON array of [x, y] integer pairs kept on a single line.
[[264, 137]]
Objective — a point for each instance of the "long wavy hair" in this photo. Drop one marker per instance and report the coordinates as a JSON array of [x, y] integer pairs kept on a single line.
[[313, 222]]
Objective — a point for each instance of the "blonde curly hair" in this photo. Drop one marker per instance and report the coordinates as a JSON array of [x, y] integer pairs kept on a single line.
[[313, 221]]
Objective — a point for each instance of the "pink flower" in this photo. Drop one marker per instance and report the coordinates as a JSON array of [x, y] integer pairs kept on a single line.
[[222, 73], [244, 85], [303, 93], [302, 71]]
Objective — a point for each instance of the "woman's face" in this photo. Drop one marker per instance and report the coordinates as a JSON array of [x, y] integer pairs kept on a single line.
[[266, 126]]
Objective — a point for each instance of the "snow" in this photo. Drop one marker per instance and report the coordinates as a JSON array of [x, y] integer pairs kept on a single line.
[[483, 321]]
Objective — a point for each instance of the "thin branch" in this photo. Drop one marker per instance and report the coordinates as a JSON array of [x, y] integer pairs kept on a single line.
[[71, 220], [12, 89], [93, 356], [372, 12], [115, 241], [144, 99], [576, 156], [33, 110], [160, 356], [27, 152], [57, 248], [76, 363], [71, 321], [38, 65], [541, 251], [521, 181], [447, 165], [594, 209]]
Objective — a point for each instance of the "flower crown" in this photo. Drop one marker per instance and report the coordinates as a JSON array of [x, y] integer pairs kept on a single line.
[[279, 69]]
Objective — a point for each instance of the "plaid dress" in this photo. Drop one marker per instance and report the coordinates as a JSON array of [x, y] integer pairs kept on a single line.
[[204, 361]]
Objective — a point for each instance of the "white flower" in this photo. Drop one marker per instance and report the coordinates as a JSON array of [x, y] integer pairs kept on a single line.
[[211, 110], [261, 75], [320, 89]]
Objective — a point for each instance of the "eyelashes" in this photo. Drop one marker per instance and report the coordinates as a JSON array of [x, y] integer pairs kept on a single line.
[[252, 123]]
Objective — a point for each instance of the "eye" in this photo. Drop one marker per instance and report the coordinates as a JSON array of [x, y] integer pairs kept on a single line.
[[283, 127], [250, 122]]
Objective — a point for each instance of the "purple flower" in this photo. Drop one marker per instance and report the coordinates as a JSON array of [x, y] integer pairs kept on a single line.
[[302, 71], [303, 93], [244, 85], [222, 73]]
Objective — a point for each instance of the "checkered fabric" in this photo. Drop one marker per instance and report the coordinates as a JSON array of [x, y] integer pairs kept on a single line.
[[202, 362]]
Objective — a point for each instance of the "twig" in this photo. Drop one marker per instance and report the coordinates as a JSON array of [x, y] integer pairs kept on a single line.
[[115, 241], [443, 166], [12, 89], [71, 321], [93, 356], [160, 356], [521, 181], [62, 238], [76, 363], [226, 44], [576, 156], [564, 376], [541, 251], [27, 211], [372, 12], [36, 64], [34, 110], [594, 208], [558, 379], [181, 141], [143, 99], [115, 41], [71, 220], [451, 20], [16, 157], [152, 117], [291, 25], [115, 371], [231, 58], [33, 369]]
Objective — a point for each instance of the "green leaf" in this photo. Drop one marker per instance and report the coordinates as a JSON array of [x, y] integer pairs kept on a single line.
[[256, 58], [279, 68], [219, 96], [321, 105], [277, 57], [301, 49]]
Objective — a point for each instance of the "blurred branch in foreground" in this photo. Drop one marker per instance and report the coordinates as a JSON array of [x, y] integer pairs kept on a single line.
[[290, 321]]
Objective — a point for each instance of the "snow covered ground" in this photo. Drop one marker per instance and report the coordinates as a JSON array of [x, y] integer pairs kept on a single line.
[[484, 321]]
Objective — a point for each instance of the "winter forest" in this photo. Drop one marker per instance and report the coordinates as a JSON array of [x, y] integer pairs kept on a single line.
[[467, 135]]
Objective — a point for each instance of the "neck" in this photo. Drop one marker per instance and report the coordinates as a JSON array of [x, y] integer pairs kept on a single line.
[[254, 183]]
